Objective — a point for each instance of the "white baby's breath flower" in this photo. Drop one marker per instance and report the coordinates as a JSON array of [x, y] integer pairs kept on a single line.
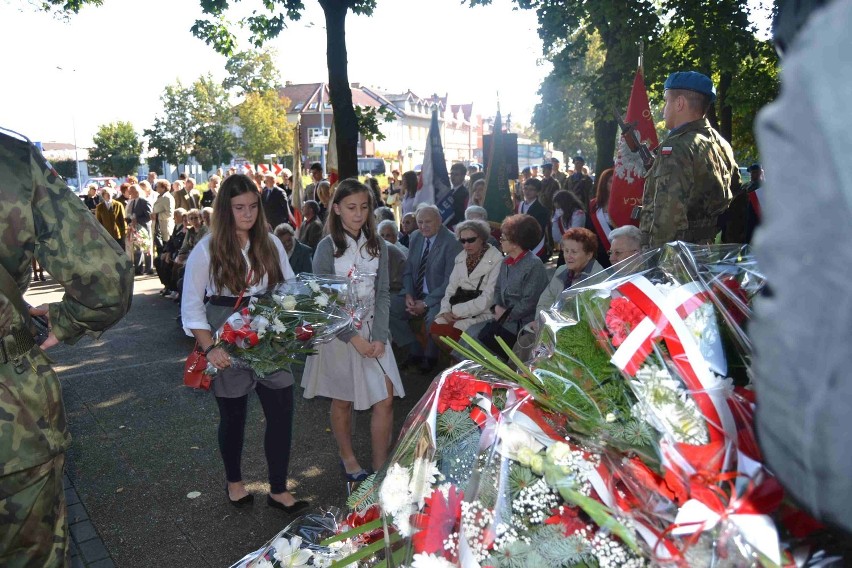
[[424, 560], [321, 300], [610, 417]]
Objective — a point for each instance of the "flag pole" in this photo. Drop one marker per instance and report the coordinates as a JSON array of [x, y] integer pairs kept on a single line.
[[642, 57]]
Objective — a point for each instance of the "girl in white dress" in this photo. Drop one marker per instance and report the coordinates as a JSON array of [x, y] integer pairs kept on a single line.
[[357, 369]]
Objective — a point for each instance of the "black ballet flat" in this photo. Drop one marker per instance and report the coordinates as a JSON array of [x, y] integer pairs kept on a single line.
[[241, 502], [296, 507]]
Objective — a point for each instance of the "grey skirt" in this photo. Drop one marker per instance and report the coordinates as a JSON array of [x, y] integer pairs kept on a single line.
[[234, 383]]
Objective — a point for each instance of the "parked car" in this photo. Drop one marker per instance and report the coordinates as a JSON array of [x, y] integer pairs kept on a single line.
[[372, 166]]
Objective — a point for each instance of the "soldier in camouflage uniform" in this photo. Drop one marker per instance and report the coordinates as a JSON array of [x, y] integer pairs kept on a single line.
[[42, 218], [694, 172]]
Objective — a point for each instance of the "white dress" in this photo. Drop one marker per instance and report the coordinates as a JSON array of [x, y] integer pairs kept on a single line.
[[337, 370]]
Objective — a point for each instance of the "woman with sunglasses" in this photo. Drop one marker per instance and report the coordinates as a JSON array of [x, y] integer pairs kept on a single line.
[[470, 290]]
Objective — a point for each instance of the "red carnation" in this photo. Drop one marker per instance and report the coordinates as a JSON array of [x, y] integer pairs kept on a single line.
[[458, 389], [621, 318]]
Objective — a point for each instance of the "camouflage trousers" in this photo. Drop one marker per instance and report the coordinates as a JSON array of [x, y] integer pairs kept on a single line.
[[33, 522]]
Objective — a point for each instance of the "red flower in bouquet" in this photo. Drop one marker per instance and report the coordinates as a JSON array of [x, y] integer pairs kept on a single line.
[[439, 519], [457, 390], [621, 318], [569, 518], [304, 332], [370, 514]]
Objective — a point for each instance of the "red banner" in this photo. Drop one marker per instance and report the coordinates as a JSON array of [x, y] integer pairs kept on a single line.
[[629, 179]]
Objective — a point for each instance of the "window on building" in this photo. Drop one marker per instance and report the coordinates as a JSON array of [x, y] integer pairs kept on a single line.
[[312, 106], [299, 106], [326, 105]]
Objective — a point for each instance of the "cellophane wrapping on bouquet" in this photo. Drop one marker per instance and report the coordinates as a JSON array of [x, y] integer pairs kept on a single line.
[[627, 440], [279, 326]]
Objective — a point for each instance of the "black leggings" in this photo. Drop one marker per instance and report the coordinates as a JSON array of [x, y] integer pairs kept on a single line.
[[278, 409]]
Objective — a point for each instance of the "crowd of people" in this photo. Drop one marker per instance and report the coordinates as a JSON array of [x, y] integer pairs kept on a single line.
[[436, 274]]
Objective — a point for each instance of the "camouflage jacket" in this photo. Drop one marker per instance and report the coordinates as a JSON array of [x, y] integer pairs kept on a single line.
[[688, 186], [43, 218], [582, 186]]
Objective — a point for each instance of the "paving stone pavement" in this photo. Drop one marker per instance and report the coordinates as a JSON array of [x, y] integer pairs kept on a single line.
[[142, 443]]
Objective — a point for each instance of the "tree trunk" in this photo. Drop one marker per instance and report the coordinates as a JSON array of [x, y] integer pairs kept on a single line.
[[345, 121], [605, 133], [726, 118]]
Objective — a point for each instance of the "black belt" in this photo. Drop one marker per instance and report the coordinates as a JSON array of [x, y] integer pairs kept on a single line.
[[229, 301], [17, 343]]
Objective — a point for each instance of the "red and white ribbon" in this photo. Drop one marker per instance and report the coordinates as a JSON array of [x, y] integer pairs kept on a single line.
[[664, 319]]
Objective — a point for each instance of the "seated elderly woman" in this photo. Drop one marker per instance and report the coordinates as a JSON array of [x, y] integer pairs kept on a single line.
[[579, 247], [625, 242], [387, 230], [470, 290], [299, 254], [522, 277], [475, 212]]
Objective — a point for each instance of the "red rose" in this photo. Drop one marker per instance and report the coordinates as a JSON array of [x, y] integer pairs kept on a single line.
[[304, 332]]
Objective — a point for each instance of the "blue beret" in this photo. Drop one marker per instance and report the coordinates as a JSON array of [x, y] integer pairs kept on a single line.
[[691, 81], [578, 158]]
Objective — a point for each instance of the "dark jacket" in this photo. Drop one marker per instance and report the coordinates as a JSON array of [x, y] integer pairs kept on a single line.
[[142, 209], [439, 264], [310, 233], [300, 260], [275, 206]]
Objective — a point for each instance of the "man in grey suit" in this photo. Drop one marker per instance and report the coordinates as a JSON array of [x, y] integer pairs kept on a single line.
[[432, 252]]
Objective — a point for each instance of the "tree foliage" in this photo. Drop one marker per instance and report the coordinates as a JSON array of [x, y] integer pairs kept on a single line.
[[265, 130], [66, 168], [116, 149], [195, 122], [252, 72]]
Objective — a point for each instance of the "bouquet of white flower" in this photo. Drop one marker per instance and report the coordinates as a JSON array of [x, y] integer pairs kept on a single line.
[[277, 326]]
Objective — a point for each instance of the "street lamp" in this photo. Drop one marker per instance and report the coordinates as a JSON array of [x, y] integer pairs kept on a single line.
[[74, 132]]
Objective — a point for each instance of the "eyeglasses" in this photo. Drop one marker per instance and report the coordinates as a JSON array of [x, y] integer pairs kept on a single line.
[[469, 241], [621, 252]]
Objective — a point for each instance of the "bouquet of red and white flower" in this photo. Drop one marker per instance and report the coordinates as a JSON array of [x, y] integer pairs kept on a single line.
[[276, 327]]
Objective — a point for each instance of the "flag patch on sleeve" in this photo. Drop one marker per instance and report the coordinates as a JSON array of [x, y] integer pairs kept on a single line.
[[666, 150]]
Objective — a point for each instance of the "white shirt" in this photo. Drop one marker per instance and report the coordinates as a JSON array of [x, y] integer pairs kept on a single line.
[[197, 282]]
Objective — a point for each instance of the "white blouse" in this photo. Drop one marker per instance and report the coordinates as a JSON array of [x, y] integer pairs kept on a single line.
[[197, 282]]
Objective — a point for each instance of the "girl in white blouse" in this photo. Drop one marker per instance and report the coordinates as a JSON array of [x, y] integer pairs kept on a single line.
[[239, 255]]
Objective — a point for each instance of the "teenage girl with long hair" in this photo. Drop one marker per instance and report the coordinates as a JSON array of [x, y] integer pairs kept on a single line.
[[357, 369], [240, 256]]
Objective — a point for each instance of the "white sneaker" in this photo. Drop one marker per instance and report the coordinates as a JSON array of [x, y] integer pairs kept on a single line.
[[172, 295]]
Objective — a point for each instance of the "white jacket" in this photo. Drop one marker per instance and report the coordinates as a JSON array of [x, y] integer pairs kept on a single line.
[[478, 309]]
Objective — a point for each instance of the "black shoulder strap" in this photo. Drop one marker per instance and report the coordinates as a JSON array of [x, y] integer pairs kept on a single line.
[[481, 278]]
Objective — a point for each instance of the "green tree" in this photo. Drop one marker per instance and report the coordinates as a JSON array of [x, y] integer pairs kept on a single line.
[[116, 149], [265, 24], [564, 115], [251, 72], [567, 29], [66, 168], [265, 130], [718, 38], [196, 122]]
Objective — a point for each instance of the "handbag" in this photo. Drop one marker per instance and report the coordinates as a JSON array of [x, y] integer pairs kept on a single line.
[[488, 335], [461, 295], [194, 375]]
